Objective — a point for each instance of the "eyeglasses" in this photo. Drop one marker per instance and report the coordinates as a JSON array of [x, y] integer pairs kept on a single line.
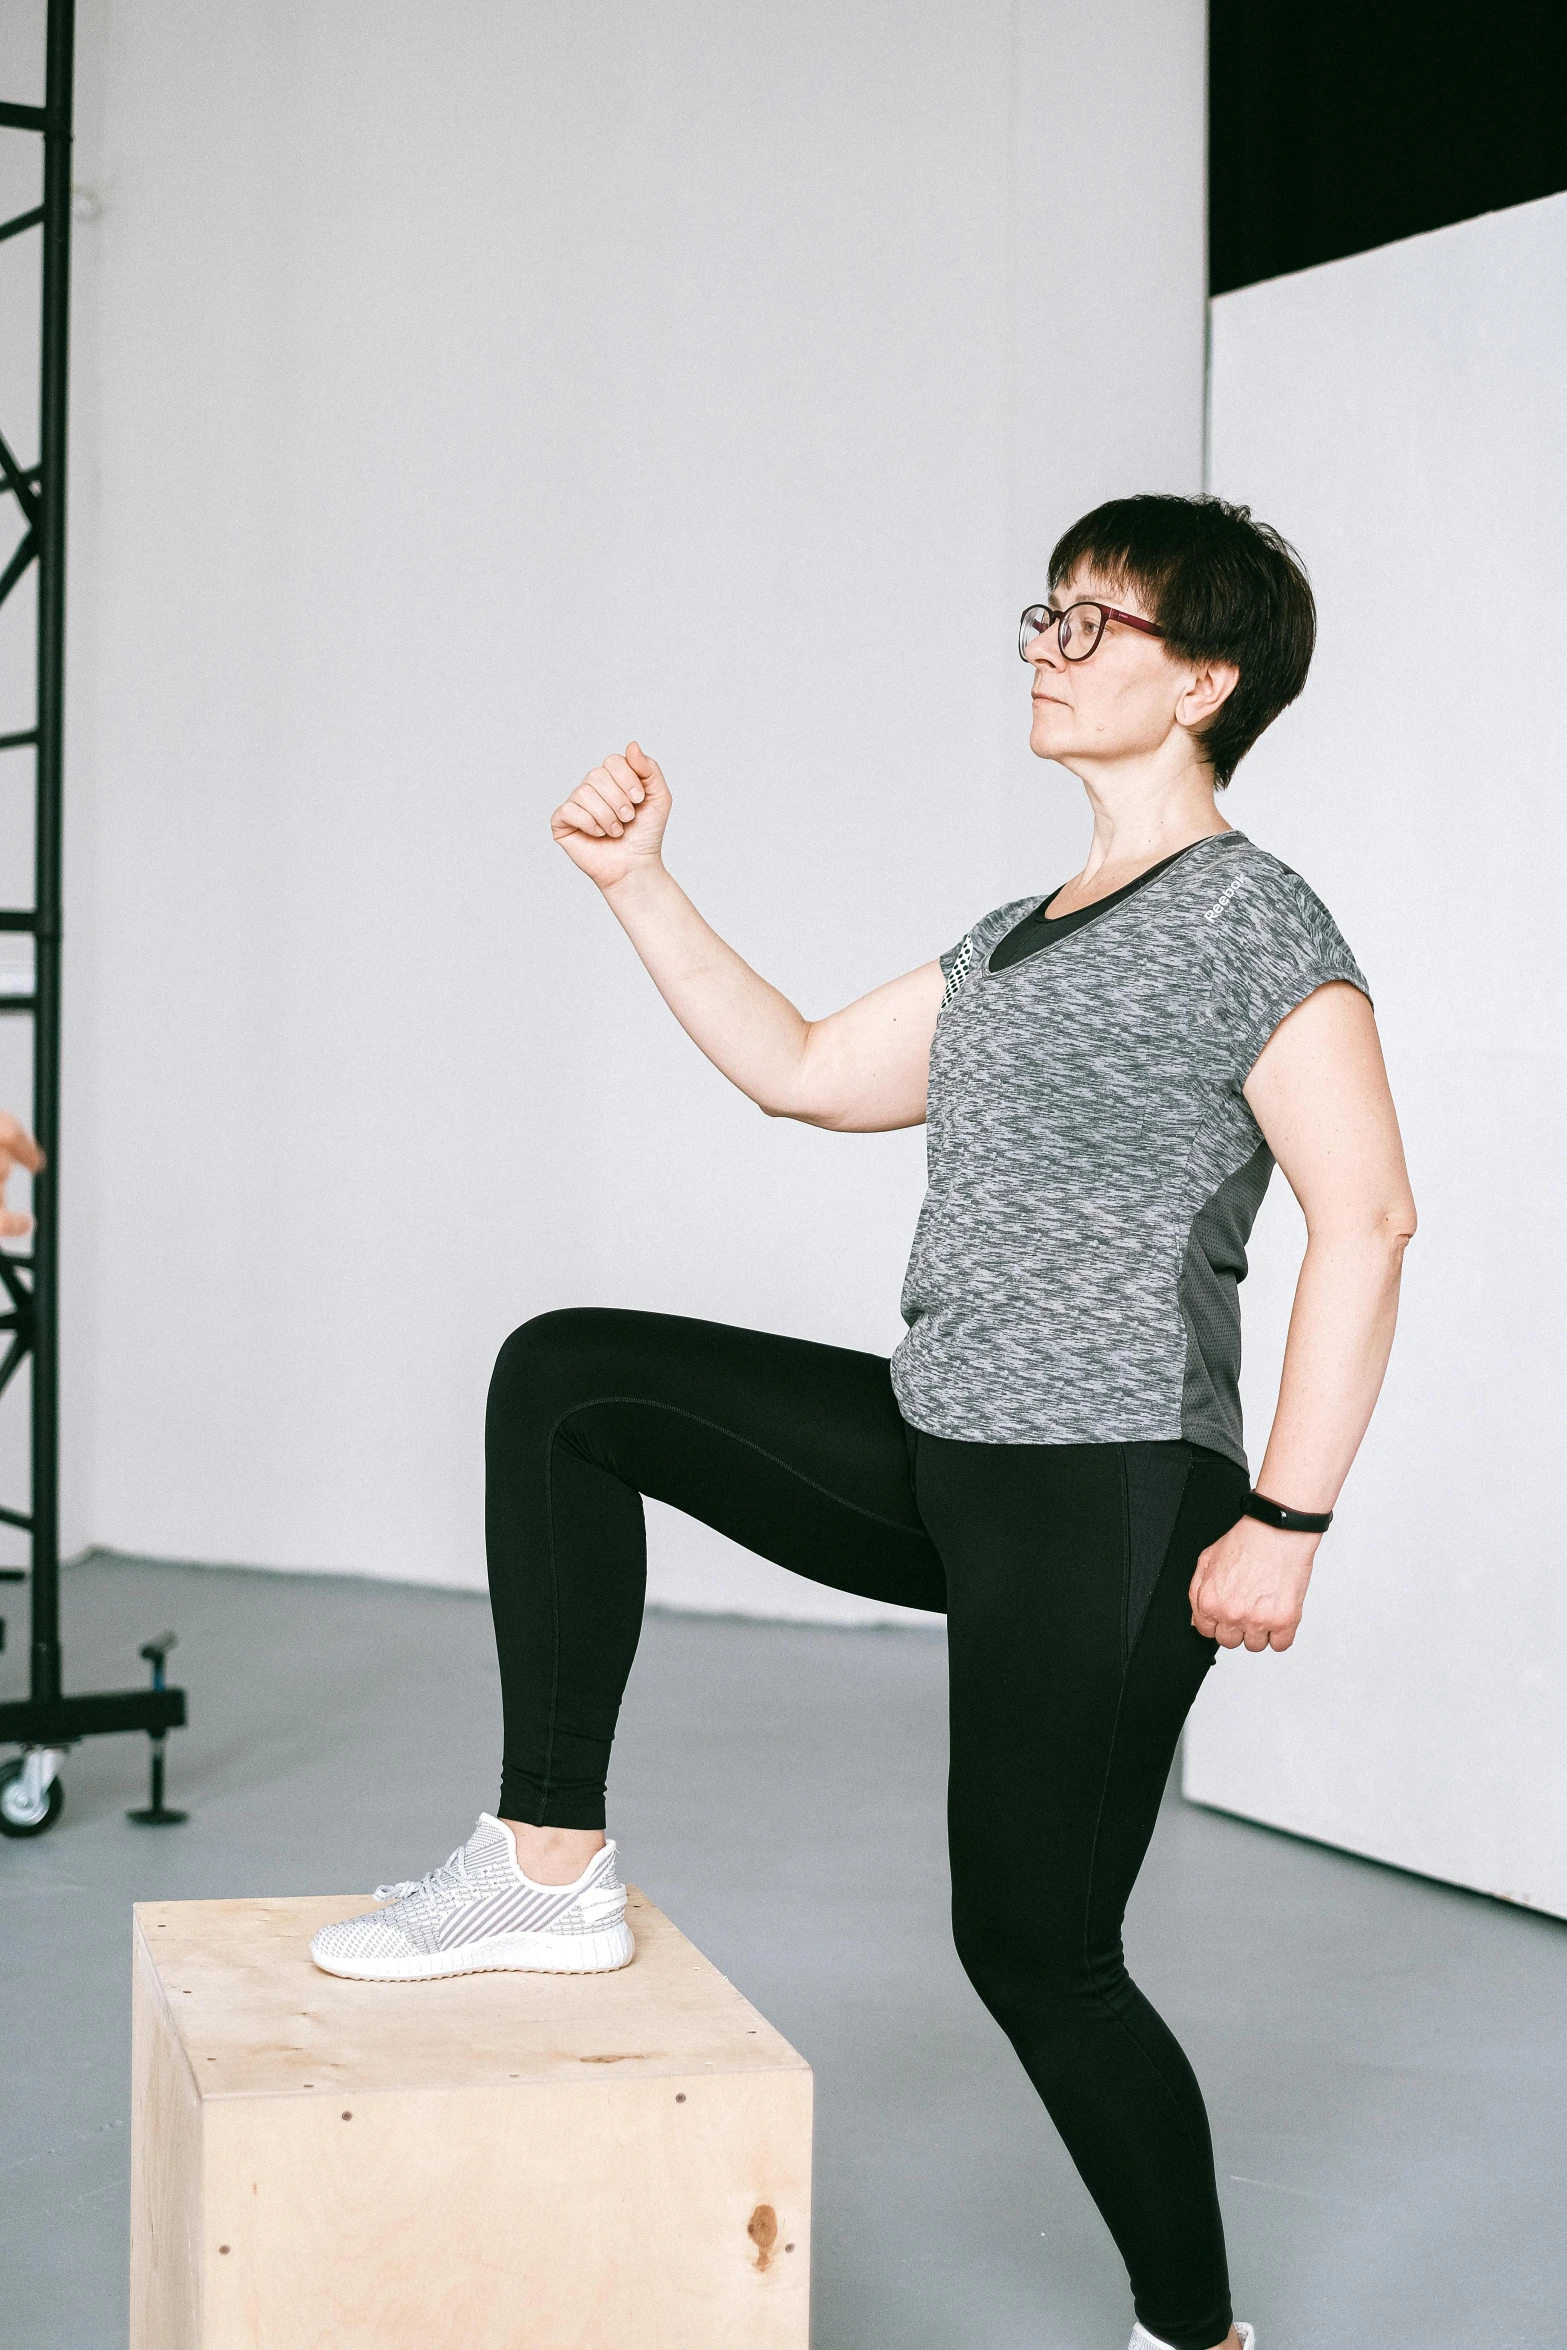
[[1078, 629]]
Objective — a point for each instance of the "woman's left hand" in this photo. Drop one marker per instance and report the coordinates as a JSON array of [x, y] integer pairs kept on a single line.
[[1250, 1586]]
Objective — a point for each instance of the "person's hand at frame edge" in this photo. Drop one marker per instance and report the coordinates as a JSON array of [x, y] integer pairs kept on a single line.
[[17, 1149]]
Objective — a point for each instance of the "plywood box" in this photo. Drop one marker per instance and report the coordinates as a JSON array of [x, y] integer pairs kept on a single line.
[[498, 2162]]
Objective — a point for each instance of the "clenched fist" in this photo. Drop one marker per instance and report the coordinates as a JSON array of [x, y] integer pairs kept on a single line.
[[1250, 1586], [614, 821]]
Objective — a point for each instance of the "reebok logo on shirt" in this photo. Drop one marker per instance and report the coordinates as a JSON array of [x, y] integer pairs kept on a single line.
[[1219, 904]]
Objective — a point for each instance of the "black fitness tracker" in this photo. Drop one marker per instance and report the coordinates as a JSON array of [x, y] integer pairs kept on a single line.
[[1274, 1513]]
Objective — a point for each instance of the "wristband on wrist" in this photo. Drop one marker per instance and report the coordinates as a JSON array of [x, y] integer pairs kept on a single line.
[[1288, 1521]]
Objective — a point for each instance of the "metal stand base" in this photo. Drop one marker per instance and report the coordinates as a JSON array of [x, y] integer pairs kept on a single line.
[[157, 1813]]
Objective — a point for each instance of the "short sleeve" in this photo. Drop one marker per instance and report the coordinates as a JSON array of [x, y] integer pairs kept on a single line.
[[1279, 944], [956, 964], [959, 961]]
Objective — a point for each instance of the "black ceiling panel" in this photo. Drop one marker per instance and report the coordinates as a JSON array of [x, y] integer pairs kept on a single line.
[[1333, 129]]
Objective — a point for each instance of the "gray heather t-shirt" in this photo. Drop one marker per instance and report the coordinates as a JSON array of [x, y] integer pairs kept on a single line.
[[1094, 1167]]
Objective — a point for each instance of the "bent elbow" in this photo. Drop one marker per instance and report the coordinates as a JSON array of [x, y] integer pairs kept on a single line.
[[793, 1087], [1400, 1224], [1395, 1231], [782, 1101], [826, 1117], [1366, 1232], [803, 1113]]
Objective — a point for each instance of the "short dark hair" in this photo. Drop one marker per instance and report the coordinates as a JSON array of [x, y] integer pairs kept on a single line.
[[1222, 587]]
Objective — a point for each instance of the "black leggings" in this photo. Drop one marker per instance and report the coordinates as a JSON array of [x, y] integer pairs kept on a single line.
[[1063, 1572]]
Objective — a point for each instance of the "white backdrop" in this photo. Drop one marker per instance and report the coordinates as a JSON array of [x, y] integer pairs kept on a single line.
[[1400, 416], [456, 392]]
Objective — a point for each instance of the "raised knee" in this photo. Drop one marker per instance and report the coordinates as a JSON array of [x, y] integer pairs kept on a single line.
[[543, 1352]]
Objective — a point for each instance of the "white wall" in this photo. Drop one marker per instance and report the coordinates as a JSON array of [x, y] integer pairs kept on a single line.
[[458, 391], [1400, 416]]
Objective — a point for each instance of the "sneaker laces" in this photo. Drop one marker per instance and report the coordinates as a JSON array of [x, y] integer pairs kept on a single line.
[[450, 1877]]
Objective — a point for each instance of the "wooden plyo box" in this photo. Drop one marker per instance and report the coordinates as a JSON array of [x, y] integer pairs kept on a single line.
[[499, 2162]]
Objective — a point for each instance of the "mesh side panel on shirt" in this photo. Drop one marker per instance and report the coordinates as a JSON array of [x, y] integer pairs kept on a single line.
[[1211, 1273]]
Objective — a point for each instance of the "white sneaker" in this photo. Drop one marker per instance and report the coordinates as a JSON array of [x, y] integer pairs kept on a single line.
[[1142, 2339], [478, 1912]]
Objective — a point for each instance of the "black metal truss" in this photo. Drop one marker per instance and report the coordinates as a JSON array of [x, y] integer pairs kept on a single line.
[[31, 1323]]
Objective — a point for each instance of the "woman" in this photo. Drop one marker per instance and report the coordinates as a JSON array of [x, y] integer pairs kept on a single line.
[[1054, 1454]]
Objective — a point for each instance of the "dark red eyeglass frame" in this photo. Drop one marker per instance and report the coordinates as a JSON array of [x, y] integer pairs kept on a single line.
[[1025, 634]]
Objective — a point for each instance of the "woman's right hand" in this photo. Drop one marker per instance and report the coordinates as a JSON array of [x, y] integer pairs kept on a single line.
[[613, 823]]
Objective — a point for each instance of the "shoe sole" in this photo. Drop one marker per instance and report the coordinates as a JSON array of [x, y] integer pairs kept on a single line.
[[526, 1954]]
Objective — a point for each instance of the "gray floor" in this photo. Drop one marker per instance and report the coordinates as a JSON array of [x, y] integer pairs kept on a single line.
[[1384, 2059]]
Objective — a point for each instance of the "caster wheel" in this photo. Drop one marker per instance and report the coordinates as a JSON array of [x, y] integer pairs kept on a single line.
[[22, 1813]]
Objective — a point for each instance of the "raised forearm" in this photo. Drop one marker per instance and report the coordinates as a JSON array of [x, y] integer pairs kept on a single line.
[[738, 1019], [860, 1070]]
